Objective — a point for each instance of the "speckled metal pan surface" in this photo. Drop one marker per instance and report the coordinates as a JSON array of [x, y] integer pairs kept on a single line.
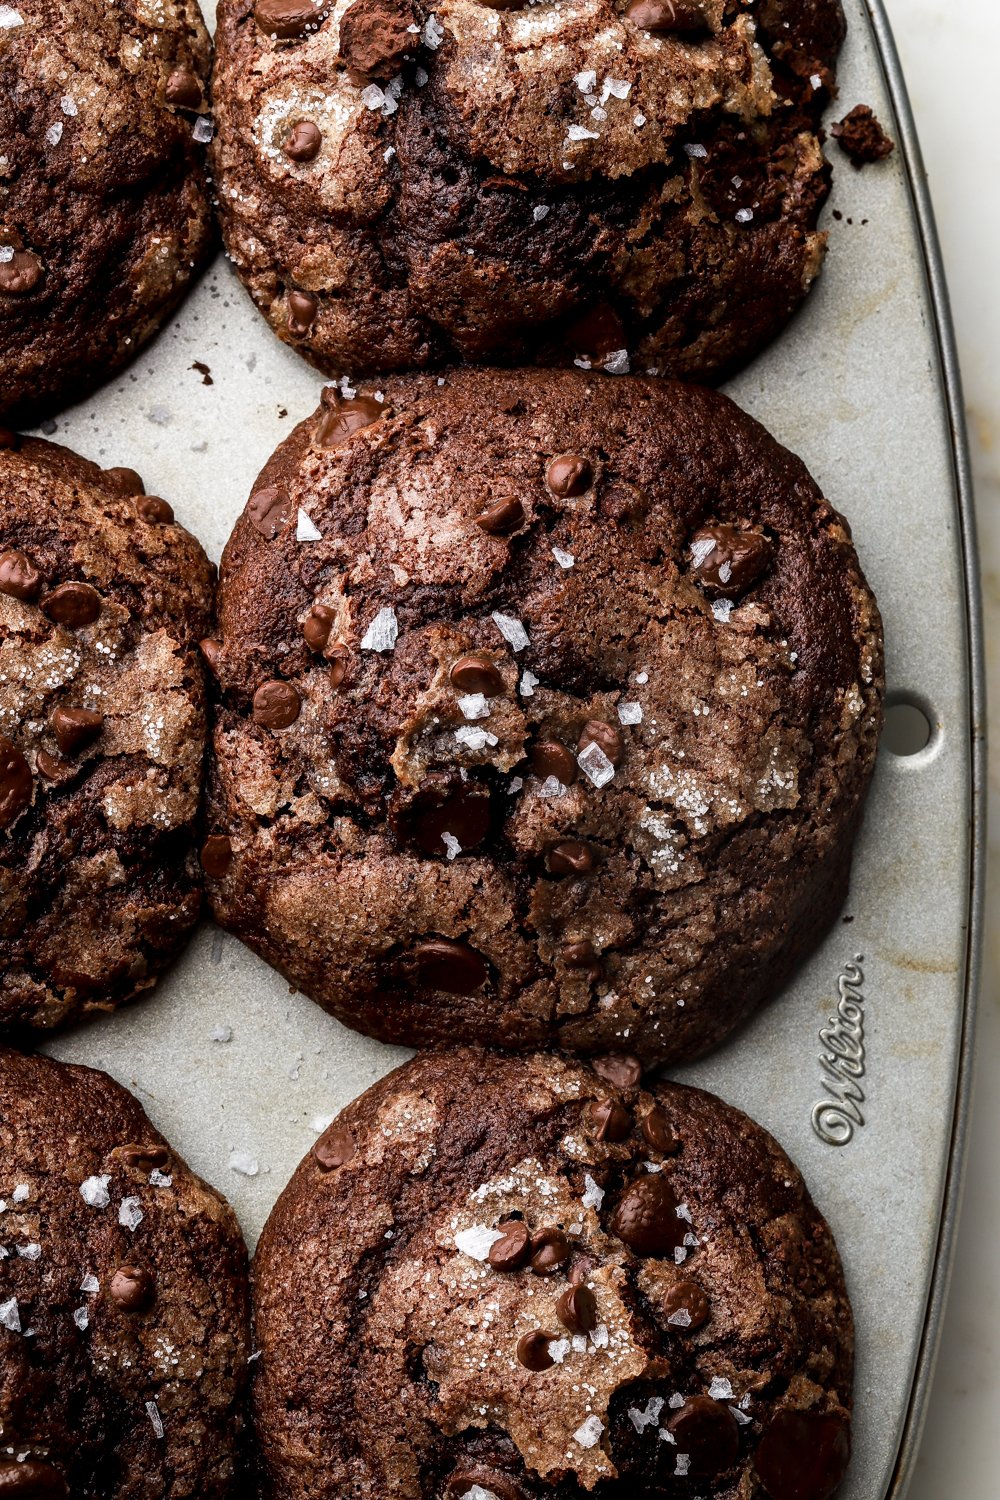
[[864, 387]]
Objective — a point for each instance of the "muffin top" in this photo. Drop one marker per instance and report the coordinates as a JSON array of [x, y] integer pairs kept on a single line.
[[124, 1300], [547, 705], [523, 1278], [104, 208], [103, 598]]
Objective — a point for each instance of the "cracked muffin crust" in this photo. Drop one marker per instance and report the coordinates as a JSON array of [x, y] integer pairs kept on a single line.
[[104, 208], [517, 1278], [403, 185], [103, 599], [547, 708], [124, 1300]]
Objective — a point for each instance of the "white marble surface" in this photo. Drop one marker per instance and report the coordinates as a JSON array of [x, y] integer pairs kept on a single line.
[[950, 54]]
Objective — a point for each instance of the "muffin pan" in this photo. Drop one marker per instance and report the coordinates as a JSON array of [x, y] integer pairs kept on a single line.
[[861, 1067]]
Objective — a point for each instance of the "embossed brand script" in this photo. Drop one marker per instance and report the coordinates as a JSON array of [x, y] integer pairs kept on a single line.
[[836, 1117]]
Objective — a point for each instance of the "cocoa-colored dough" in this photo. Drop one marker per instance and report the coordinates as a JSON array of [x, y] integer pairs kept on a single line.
[[104, 202], [576, 180], [103, 599], [124, 1301], [625, 826], [410, 1347]]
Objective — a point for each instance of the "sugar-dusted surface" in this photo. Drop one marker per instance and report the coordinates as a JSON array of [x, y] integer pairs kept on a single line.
[[852, 387]]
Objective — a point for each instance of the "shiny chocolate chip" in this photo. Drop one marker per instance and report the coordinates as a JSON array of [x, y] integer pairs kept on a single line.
[[153, 1158], [680, 17], [335, 1146], [342, 419], [19, 578], [577, 1309], [276, 704], [452, 967], [803, 1455], [303, 141], [317, 625], [581, 955], [619, 1068], [72, 605], [302, 310], [183, 88], [659, 1132], [533, 1350], [708, 1433], [514, 1250], [727, 561], [464, 811], [608, 1120], [133, 1289], [569, 475], [685, 1306], [31, 1479], [287, 19], [211, 650], [16, 784], [216, 855], [504, 516], [340, 660], [269, 511], [605, 736], [125, 481], [571, 857], [646, 1219], [156, 512], [552, 758], [476, 674], [549, 1251], [50, 767], [75, 728], [21, 274]]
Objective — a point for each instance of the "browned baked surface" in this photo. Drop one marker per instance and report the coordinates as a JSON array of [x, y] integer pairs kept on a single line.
[[103, 599], [124, 1300], [664, 1312], [404, 185], [104, 207], [435, 851]]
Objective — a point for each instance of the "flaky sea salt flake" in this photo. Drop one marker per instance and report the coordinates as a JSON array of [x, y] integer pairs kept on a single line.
[[528, 683], [477, 1241], [81, 1317], [581, 133], [94, 1191], [474, 706], [588, 1434], [90, 1283], [306, 530], [130, 1215], [383, 631], [595, 765], [451, 844], [203, 130], [153, 1413], [512, 630], [630, 713], [593, 1195], [563, 558], [617, 362], [433, 33], [9, 18], [721, 1389], [10, 1315]]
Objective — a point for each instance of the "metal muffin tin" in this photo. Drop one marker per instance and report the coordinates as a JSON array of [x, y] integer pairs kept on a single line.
[[865, 387]]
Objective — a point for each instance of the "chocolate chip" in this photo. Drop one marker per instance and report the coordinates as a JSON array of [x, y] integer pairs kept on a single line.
[[374, 37], [685, 1306], [659, 1132], [549, 1251], [211, 650], [605, 736], [476, 674], [21, 274], [216, 855], [645, 1217], [569, 475], [708, 1433], [125, 481], [533, 1350], [302, 310], [50, 768], [344, 418], [75, 728], [147, 1159], [340, 660], [286, 19], [452, 967], [803, 1455], [581, 955], [16, 784], [619, 1068], [505, 516], [552, 758], [512, 1252], [303, 141], [571, 857], [335, 1146], [276, 704], [269, 511], [727, 561], [18, 576], [464, 811], [31, 1479], [608, 1120], [72, 605], [682, 17], [155, 511], [134, 1290], [183, 88], [317, 625], [577, 1309]]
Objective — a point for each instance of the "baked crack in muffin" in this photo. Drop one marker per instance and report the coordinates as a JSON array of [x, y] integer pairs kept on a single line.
[[517, 1278], [616, 182], [124, 1300], [547, 705], [103, 599], [104, 209]]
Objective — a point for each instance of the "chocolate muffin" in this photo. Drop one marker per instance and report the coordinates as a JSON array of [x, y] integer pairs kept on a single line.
[[616, 182], [104, 209], [103, 599], [124, 1300], [519, 1278], [547, 708]]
